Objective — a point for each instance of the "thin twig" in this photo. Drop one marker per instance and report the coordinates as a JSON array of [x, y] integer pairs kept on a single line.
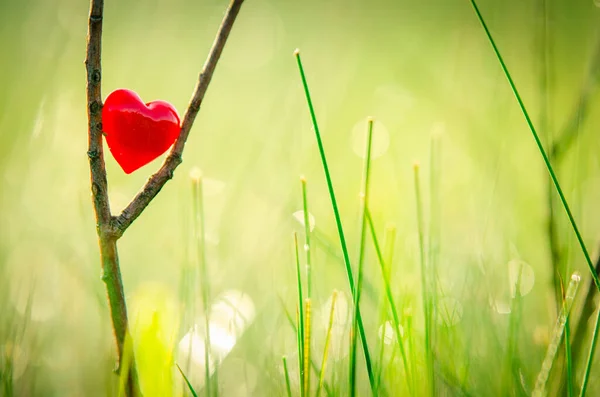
[[110, 228], [157, 181]]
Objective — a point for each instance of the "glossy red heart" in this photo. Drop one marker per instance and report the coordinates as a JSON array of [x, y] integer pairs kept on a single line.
[[137, 132]]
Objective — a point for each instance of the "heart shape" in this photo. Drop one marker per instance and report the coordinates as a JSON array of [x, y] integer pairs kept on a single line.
[[136, 132]]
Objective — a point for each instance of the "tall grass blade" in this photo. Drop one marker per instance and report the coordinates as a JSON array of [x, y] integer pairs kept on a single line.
[[187, 382], [388, 292], [300, 316], [541, 149], [548, 166], [338, 219], [425, 284], [435, 171], [306, 355], [200, 237], [307, 244], [364, 200], [559, 328], [588, 366], [389, 237], [568, 357], [327, 341]]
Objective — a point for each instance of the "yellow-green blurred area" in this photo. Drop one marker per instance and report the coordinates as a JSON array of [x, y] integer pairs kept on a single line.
[[423, 69]]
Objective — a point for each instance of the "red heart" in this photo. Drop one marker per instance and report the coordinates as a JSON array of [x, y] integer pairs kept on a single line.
[[137, 133]]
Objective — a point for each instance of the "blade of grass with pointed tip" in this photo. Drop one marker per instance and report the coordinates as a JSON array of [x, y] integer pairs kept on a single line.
[[364, 195], [189, 385], [338, 220], [392, 305]]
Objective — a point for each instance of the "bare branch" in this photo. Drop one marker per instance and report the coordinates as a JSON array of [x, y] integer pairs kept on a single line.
[[111, 274], [156, 182]]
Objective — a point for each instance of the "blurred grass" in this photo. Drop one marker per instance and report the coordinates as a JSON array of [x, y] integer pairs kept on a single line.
[[415, 66]]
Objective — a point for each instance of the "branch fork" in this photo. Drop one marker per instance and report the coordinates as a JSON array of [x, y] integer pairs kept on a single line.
[[109, 227]]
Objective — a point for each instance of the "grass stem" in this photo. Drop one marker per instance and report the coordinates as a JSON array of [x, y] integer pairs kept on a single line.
[[338, 219]]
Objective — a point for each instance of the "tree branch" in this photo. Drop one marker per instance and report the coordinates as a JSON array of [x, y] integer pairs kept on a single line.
[[157, 181], [108, 227], [111, 274]]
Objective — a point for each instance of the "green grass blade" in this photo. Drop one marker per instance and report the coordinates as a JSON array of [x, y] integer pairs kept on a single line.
[[300, 328], [338, 219], [200, 239], [435, 171], [588, 366], [568, 357], [541, 149], [189, 385], [389, 238], [559, 328], [307, 244], [425, 285], [327, 341], [288, 386], [306, 354], [392, 305], [364, 196]]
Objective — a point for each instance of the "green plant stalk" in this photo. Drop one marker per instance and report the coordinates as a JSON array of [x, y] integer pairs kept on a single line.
[[424, 283], [515, 314], [568, 357], [388, 292], [434, 235], [588, 366], [312, 362], [200, 229], [327, 341], [300, 311], [288, 386], [306, 355], [364, 195], [187, 382], [541, 149], [337, 220], [307, 244], [389, 238], [307, 249], [559, 328], [550, 171]]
